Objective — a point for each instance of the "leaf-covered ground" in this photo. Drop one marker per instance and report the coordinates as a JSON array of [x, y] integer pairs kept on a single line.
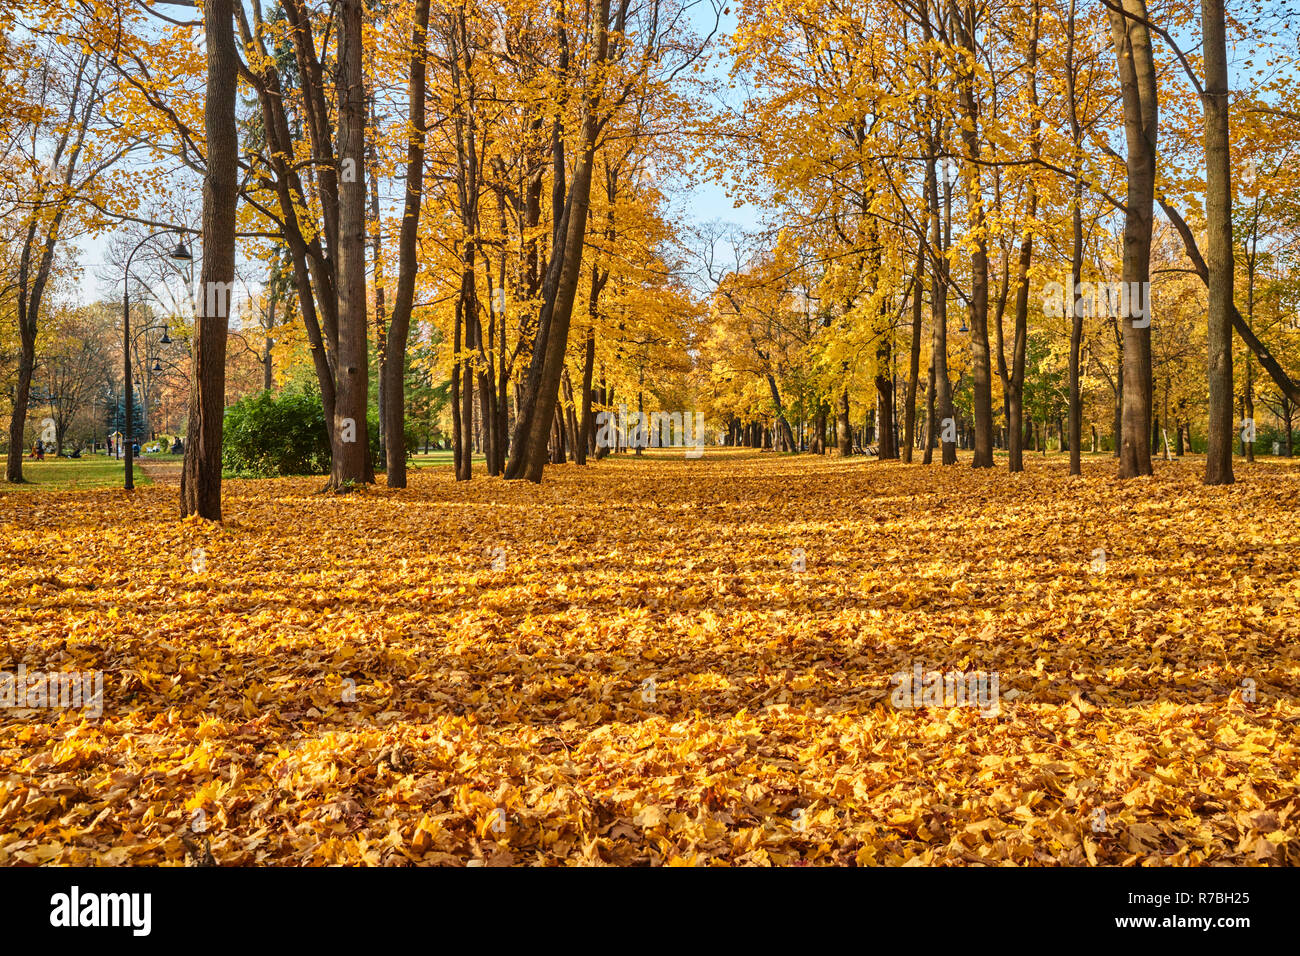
[[625, 665]]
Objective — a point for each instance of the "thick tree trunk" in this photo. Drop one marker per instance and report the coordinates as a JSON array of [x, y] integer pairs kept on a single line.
[[201, 471], [1076, 336], [1218, 215], [844, 429], [377, 261], [885, 415], [1132, 42], [351, 459]]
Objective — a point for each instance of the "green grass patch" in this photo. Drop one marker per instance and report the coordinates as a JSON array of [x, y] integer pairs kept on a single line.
[[73, 474], [436, 458]]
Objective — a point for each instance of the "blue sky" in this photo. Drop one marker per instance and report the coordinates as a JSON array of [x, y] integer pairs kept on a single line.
[[708, 200]]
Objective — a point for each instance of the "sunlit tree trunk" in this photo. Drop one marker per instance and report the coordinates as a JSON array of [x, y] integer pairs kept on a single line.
[[981, 368], [914, 358], [351, 458], [844, 429], [930, 416], [529, 441], [1132, 42], [1076, 247], [393, 371]]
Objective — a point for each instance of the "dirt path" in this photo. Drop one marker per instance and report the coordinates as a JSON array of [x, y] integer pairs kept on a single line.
[[161, 472]]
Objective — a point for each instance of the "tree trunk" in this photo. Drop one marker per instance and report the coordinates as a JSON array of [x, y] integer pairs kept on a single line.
[[930, 416], [588, 426], [36, 259], [377, 260], [572, 433], [1016, 380], [464, 452], [1119, 393], [201, 471], [22, 396], [785, 434], [844, 429], [1218, 216], [982, 375], [914, 358], [268, 342], [457, 439], [393, 371], [1076, 258], [939, 311], [885, 410], [351, 464], [1132, 42], [528, 444], [606, 398]]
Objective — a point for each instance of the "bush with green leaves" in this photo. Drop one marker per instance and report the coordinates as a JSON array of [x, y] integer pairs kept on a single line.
[[267, 435]]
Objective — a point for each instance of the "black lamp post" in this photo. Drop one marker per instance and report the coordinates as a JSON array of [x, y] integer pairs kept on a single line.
[[182, 254]]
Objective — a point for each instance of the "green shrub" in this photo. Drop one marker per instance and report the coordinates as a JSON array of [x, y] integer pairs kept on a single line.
[[268, 435]]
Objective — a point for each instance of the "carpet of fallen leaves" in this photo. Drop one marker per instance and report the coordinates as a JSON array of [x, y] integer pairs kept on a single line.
[[625, 665]]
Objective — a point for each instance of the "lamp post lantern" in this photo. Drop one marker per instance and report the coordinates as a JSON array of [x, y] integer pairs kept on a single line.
[[182, 254]]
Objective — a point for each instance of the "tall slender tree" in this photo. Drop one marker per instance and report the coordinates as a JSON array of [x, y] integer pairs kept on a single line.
[[393, 371]]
